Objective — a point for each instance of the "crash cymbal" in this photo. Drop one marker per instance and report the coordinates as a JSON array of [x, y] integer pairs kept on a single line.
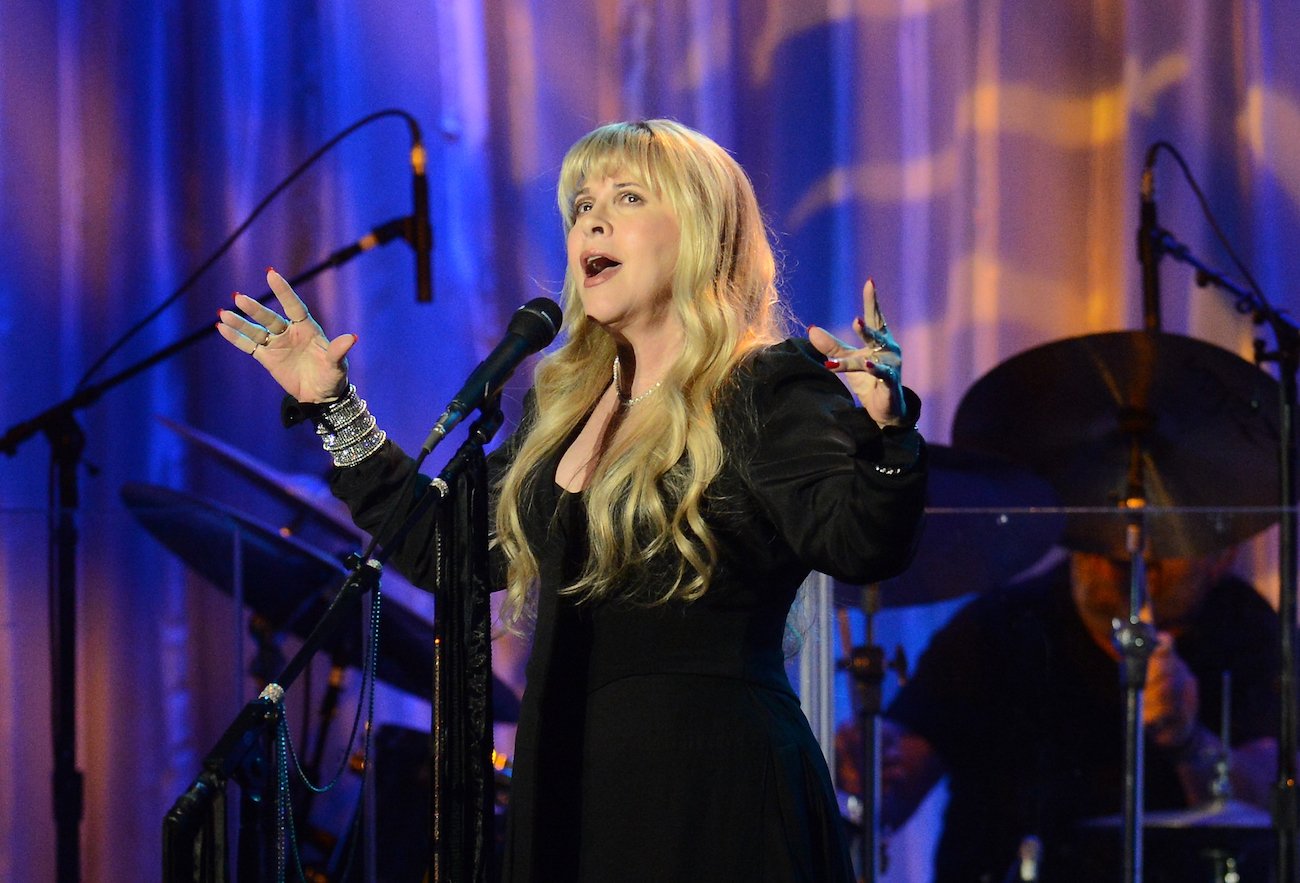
[[290, 584], [1204, 422], [970, 542], [312, 499]]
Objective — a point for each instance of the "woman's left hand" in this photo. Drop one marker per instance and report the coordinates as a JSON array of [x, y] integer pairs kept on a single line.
[[874, 371]]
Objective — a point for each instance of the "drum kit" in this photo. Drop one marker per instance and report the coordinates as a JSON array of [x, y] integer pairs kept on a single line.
[[1071, 445]]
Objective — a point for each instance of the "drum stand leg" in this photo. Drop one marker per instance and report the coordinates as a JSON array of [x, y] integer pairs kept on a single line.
[[867, 666]]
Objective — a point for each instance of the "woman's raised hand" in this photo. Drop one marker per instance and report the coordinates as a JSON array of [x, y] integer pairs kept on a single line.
[[874, 371], [292, 348]]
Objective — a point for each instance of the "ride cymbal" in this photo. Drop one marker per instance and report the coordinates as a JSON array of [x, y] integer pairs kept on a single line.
[[1201, 422]]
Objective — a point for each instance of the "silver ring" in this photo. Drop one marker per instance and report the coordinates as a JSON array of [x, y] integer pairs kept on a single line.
[[265, 340]]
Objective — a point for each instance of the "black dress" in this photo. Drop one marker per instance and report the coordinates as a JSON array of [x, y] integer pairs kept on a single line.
[[665, 743]]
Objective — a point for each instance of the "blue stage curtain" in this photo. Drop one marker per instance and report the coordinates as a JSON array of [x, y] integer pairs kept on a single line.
[[979, 158]]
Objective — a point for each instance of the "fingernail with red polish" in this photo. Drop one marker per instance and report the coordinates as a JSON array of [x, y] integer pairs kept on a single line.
[[832, 363], [235, 296], [870, 366], [270, 269]]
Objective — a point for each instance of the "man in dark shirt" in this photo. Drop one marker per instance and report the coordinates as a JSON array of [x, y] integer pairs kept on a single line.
[[1018, 701]]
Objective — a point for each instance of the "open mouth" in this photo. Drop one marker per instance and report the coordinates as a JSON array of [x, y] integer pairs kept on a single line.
[[596, 264]]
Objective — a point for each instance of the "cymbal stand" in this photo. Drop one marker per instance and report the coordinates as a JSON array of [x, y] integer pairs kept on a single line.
[[1136, 641], [866, 664], [1221, 784]]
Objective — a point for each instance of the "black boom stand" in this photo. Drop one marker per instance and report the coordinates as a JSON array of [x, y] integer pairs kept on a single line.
[[1286, 354]]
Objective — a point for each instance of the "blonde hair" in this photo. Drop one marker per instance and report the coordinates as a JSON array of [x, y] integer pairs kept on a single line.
[[644, 500]]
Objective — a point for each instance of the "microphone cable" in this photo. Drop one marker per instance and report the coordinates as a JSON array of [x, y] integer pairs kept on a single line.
[[1204, 203], [416, 139]]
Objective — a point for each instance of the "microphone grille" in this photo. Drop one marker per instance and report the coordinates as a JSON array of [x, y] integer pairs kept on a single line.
[[537, 322]]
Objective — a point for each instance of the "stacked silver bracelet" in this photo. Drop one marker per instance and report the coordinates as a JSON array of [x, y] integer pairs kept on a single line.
[[348, 431]]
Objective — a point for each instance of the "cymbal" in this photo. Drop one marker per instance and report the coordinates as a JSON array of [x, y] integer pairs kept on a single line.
[[971, 551], [290, 488], [290, 584], [1220, 813], [1203, 420]]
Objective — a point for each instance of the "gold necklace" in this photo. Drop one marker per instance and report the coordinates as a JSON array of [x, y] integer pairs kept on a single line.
[[618, 388]]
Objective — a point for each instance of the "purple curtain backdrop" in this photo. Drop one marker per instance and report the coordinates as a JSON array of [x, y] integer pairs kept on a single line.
[[979, 158]]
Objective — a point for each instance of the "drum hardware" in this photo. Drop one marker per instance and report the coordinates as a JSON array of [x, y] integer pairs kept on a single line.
[[1222, 828], [1143, 418], [995, 537], [867, 666]]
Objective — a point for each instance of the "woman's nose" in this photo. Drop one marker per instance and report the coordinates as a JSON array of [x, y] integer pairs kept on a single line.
[[595, 221]]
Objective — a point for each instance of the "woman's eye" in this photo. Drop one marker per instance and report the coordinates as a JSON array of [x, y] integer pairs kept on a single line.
[[581, 207], [631, 197]]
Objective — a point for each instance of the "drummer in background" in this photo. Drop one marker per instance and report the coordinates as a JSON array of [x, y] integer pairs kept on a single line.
[[1018, 701]]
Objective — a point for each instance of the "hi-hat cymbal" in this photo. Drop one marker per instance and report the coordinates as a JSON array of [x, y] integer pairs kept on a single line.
[[289, 583], [1203, 420], [290, 488], [977, 534]]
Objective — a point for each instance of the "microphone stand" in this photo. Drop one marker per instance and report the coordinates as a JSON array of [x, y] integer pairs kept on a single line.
[[1287, 356], [1134, 639], [242, 751], [67, 442]]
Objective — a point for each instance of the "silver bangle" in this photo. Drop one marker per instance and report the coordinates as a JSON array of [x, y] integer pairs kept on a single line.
[[341, 412], [354, 454], [349, 435], [347, 430]]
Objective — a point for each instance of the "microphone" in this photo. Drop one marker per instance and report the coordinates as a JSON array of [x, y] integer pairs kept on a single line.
[[1149, 250], [420, 231], [533, 326]]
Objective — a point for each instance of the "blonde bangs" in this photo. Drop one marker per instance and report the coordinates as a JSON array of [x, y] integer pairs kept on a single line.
[[626, 147]]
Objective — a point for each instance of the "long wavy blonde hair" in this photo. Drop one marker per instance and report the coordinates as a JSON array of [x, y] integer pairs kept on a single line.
[[645, 497]]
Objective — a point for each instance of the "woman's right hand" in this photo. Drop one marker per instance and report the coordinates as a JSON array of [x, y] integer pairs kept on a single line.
[[292, 348]]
